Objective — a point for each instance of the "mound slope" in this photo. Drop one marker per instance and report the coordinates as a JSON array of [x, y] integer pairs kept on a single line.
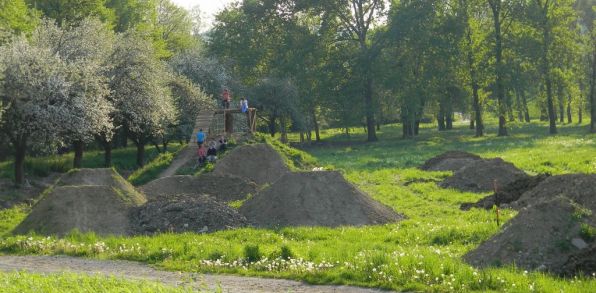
[[99, 203], [508, 194], [581, 188], [259, 163], [478, 176], [541, 237], [185, 214], [221, 187], [449, 161], [315, 199]]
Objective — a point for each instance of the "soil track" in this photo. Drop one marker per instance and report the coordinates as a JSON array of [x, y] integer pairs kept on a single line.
[[139, 271]]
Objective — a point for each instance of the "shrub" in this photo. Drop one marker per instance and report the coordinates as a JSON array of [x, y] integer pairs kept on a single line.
[[252, 253]]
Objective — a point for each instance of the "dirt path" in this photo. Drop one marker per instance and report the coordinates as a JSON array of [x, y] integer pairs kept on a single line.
[[139, 271]]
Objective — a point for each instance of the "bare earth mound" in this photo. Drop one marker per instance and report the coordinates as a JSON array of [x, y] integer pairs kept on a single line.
[[541, 237], [259, 163], [449, 161], [508, 194], [578, 187], [315, 199], [102, 209], [186, 214], [221, 187], [478, 176]]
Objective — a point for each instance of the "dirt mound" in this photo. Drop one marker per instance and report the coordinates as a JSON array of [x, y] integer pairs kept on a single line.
[[581, 262], [221, 187], [541, 237], [259, 163], [478, 176], [182, 213], [578, 187], [449, 161], [315, 199], [101, 208], [510, 193]]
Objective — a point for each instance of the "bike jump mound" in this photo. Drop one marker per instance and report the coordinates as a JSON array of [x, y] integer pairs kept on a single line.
[[479, 175], [552, 232], [315, 199], [259, 163], [89, 200], [508, 194], [183, 213], [449, 161], [223, 188]]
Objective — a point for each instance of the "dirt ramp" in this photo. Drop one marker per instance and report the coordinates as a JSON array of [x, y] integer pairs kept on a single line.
[[578, 187], [541, 237], [508, 194], [315, 199], [478, 176], [98, 203], [449, 161], [223, 188], [181, 213], [259, 163]]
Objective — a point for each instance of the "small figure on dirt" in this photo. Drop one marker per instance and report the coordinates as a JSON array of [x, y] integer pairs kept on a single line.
[[223, 144], [226, 99], [202, 153], [212, 152], [200, 137], [244, 105]]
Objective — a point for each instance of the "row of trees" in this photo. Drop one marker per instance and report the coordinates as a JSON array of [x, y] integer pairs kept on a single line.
[[354, 62], [91, 73]]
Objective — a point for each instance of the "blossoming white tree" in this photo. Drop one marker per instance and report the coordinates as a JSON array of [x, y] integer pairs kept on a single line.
[[35, 93], [138, 91], [85, 48]]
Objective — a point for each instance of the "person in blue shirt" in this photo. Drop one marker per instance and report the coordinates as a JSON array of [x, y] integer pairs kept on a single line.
[[200, 137]]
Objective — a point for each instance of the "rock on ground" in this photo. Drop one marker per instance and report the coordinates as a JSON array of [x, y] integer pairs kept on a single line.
[[479, 175], [449, 161], [315, 199], [183, 213], [259, 163], [223, 188]]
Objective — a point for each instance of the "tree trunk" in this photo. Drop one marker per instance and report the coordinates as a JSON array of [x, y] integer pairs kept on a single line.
[[347, 132], [440, 118], [301, 136], [284, 133], [520, 108], [370, 111], [475, 97], [525, 104], [316, 125], [593, 89], [140, 154], [107, 155], [561, 101], [569, 118], [546, 72], [272, 125], [19, 163], [472, 124], [580, 113], [449, 120], [78, 146], [500, 93], [417, 127]]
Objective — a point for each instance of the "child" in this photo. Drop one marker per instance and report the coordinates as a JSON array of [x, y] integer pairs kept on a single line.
[[212, 152], [202, 153], [223, 144]]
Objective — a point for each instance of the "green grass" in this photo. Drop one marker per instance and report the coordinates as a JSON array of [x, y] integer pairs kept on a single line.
[[20, 282], [422, 253], [151, 170], [123, 160]]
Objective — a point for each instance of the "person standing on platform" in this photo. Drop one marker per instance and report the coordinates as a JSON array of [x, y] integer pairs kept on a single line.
[[226, 99]]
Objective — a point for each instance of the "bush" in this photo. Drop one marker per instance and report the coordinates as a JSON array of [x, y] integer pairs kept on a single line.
[[252, 253], [286, 252]]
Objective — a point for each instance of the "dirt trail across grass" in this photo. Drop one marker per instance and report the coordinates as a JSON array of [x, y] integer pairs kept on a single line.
[[139, 271]]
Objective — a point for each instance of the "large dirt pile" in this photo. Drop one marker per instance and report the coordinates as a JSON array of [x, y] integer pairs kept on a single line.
[[90, 200], [259, 163], [581, 188], [581, 262], [478, 175], [224, 188], [449, 161], [508, 194], [541, 237], [315, 199], [183, 213]]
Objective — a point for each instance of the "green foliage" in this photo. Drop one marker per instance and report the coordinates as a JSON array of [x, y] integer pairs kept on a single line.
[[15, 18], [151, 170], [295, 159], [252, 253], [10, 218], [73, 11], [588, 232]]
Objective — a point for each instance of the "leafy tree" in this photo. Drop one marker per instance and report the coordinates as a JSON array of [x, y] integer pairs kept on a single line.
[[73, 11], [15, 18]]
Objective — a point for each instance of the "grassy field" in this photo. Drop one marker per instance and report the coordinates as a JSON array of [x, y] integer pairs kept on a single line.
[[421, 253], [21, 282]]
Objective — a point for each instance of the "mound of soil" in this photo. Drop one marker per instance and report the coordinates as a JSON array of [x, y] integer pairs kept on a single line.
[[479, 175], [99, 204], [223, 188], [578, 187], [541, 237], [182, 213], [259, 163], [315, 199], [449, 161], [508, 194], [581, 262]]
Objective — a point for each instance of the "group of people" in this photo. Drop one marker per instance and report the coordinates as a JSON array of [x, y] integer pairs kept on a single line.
[[226, 100], [209, 154]]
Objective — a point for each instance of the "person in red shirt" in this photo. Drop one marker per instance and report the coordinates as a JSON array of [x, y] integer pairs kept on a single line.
[[226, 99], [202, 153]]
